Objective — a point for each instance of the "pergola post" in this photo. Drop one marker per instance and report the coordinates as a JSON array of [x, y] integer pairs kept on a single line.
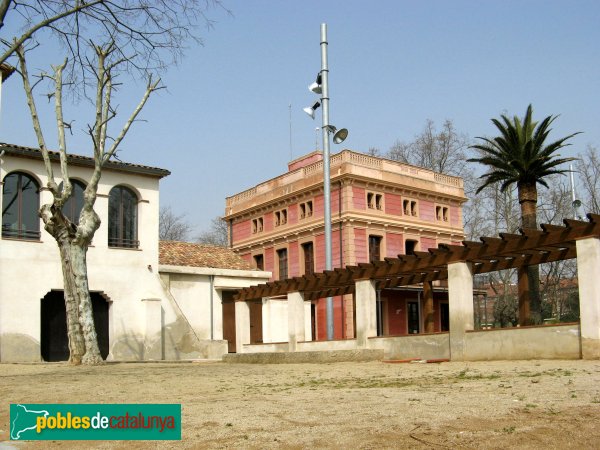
[[524, 302], [366, 311], [295, 301], [460, 305], [588, 269], [242, 325], [428, 312]]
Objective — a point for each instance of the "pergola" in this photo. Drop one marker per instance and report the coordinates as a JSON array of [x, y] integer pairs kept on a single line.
[[509, 251], [452, 262]]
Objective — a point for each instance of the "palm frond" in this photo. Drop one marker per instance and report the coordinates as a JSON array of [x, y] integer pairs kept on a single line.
[[519, 153]]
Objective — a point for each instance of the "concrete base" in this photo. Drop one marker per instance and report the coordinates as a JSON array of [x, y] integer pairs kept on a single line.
[[361, 355]]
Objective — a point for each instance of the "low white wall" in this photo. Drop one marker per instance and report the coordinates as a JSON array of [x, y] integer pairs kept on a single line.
[[426, 346], [319, 346], [543, 342], [275, 347], [275, 320]]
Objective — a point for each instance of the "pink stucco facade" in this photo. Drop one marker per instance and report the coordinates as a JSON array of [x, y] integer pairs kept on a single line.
[[373, 201]]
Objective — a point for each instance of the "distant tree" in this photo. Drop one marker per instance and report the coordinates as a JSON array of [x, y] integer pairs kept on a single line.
[[506, 309], [442, 151], [521, 156], [373, 151], [588, 167], [172, 227], [558, 278], [216, 234]]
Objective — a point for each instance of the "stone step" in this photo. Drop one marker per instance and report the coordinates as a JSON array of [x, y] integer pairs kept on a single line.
[[333, 356]]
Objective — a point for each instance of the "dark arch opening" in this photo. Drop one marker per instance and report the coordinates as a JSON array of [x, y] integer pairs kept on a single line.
[[53, 336]]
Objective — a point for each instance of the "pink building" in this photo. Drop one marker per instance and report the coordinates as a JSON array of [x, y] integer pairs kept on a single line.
[[380, 208]]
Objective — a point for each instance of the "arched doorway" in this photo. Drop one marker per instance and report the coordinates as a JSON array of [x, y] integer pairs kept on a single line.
[[53, 334]]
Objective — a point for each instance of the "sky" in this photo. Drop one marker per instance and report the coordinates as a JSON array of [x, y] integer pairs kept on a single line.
[[223, 123]]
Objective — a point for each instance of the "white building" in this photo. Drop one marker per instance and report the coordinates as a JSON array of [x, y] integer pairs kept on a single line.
[[143, 309]]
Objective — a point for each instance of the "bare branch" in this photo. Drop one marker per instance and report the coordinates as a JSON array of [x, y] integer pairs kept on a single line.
[[42, 24], [62, 144], [151, 87], [36, 120]]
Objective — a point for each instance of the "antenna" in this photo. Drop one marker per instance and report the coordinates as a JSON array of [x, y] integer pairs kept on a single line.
[[290, 108]]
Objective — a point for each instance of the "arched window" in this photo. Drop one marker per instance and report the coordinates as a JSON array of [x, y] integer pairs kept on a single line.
[[72, 208], [122, 218], [20, 206]]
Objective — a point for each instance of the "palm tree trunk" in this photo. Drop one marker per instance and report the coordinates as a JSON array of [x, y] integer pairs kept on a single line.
[[529, 314]]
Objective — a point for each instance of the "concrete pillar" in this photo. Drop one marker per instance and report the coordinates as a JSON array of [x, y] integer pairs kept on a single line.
[[266, 320], [460, 300], [308, 322], [217, 311], [242, 326], [366, 312], [588, 269], [295, 301], [153, 332], [428, 312]]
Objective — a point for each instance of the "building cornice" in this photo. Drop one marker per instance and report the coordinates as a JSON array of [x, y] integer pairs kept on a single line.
[[282, 188], [189, 270], [83, 161]]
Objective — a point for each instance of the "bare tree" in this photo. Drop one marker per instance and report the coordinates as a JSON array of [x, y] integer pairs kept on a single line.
[[144, 32], [74, 239], [216, 235], [104, 40], [443, 151], [374, 151], [172, 227], [588, 167], [557, 279]]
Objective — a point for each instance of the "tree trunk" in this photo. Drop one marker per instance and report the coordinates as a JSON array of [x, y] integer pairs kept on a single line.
[[79, 303], [83, 341], [528, 201], [74, 332]]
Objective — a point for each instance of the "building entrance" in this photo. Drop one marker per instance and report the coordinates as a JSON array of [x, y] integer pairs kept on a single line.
[[54, 340]]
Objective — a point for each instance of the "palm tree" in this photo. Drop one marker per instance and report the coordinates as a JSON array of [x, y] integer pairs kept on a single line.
[[521, 156]]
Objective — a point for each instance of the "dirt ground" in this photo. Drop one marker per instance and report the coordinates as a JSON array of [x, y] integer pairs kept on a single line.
[[524, 404]]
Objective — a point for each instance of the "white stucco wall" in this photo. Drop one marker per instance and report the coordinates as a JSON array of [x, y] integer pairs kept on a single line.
[[191, 291], [30, 269], [126, 277]]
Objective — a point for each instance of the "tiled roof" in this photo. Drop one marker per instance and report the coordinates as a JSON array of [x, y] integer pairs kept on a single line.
[[86, 161], [175, 253]]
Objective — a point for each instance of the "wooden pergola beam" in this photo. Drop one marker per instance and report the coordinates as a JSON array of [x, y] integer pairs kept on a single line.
[[531, 246]]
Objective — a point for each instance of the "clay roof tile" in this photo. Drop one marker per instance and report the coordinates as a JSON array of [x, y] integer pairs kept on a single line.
[[175, 253]]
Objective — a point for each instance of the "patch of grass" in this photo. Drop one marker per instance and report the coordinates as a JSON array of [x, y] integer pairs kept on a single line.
[[463, 375], [531, 405], [508, 430], [530, 374]]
